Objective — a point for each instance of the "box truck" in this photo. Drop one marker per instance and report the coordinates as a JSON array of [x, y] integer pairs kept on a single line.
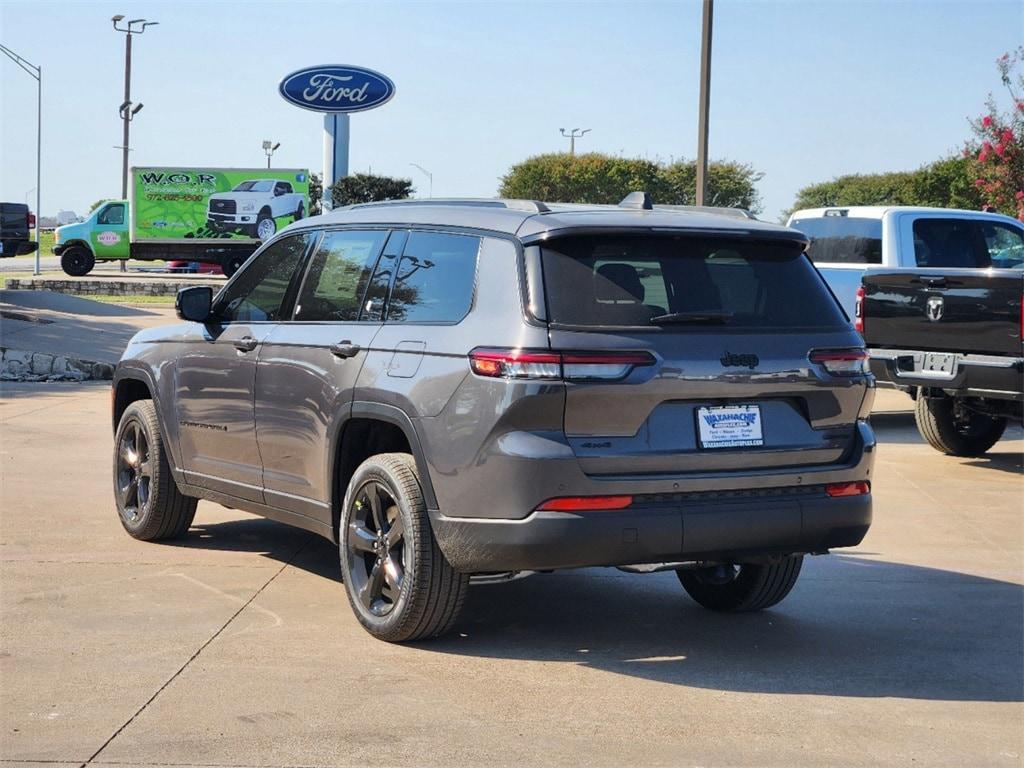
[[212, 215]]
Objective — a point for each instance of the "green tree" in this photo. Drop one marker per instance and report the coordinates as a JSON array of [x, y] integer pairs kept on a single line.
[[316, 194], [604, 179], [98, 203], [366, 188], [946, 183]]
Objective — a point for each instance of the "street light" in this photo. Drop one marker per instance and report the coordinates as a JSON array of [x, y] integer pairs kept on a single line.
[[270, 147], [126, 110], [37, 73], [572, 135], [430, 176]]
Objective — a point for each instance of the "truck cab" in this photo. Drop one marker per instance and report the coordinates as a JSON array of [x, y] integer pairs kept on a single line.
[[846, 242], [103, 236]]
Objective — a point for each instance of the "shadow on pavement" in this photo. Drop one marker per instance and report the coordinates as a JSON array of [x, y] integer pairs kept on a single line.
[[13, 390], [852, 626], [69, 304]]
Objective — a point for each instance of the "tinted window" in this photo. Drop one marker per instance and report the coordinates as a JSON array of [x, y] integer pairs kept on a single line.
[[258, 292], [950, 243], [842, 240], [603, 281], [112, 214], [435, 278], [337, 277]]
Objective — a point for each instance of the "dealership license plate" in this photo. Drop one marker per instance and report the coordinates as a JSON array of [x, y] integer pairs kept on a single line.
[[729, 426]]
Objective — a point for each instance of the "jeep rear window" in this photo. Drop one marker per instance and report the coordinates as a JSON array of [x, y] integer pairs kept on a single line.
[[842, 239], [631, 280]]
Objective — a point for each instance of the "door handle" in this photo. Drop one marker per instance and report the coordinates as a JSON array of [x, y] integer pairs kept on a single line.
[[245, 344], [935, 281], [345, 349]]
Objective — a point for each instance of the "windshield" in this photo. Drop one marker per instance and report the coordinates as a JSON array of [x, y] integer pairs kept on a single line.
[[682, 283], [842, 240], [254, 186]]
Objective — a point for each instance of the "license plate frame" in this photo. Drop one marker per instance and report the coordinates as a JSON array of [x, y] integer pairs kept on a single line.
[[729, 426]]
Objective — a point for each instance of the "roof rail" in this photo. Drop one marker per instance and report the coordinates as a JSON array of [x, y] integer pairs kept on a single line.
[[529, 206], [738, 213], [640, 201]]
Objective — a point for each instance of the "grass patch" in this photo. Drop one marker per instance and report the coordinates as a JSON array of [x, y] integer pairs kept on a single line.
[[132, 301]]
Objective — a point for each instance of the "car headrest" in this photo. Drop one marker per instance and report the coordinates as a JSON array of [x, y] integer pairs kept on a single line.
[[618, 283]]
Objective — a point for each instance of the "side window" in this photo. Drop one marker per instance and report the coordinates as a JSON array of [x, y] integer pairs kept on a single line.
[[1005, 244], [952, 243], [338, 274], [259, 291], [112, 214], [377, 291], [281, 189], [435, 278]]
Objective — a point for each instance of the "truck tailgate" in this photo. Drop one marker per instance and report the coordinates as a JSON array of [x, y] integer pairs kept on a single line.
[[975, 311]]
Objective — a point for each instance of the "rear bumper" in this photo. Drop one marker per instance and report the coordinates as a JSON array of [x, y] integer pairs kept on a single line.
[[975, 376], [689, 527], [18, 247]]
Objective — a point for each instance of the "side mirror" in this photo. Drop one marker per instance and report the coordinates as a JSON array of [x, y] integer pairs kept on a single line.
[[194, 303]]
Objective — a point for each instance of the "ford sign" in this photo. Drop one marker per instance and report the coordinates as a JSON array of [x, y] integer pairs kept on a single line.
[[337, 88]]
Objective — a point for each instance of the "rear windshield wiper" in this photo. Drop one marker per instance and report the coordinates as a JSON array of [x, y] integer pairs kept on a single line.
[[693, 318]]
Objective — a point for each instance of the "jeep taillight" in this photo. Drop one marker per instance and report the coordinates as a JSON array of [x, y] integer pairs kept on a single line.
[[841, 362], [570, 366], [858, 311]]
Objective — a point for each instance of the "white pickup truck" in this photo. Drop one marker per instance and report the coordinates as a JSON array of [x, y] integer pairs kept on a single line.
[[847, 242], [253, 205]]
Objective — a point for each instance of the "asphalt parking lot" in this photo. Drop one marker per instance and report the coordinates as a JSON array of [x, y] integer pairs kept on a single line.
[[236, 647]]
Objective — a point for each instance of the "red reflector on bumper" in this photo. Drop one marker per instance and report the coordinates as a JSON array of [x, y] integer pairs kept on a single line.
[[848, 489], [585, 503]]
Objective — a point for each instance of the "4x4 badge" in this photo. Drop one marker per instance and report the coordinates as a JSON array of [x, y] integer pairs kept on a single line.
[[746, 360], [933, 310]]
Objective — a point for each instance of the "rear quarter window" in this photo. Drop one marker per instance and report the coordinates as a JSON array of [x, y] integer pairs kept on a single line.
[[635, 281], [842, 239]]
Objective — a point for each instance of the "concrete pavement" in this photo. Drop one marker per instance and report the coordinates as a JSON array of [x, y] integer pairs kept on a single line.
[[236, 646]]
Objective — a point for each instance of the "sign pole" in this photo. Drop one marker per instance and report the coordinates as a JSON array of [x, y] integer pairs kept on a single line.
[[705, 99], [336, 140]]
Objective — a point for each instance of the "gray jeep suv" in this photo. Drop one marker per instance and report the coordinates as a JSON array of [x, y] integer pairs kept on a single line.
[[459, 388]]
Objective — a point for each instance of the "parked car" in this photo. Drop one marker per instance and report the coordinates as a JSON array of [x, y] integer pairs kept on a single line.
[[194, 267], [454, 388], [950, 332], [16, 224], [847, 242], [253, 205]]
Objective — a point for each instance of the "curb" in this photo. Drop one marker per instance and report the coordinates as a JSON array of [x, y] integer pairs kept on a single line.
[[23, 365]]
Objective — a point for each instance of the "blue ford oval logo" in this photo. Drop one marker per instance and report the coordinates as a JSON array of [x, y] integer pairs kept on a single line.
[[337, 88]]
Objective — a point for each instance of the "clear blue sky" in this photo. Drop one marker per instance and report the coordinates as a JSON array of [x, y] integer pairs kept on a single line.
[[801, 90]]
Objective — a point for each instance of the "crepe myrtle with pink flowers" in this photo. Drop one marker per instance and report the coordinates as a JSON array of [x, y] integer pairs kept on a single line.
[[999, 144]]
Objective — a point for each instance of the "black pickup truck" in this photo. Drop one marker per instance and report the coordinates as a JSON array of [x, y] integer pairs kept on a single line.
[[15, 223], [951, 336]]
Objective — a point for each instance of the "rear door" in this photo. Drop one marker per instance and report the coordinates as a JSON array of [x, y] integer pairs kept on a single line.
[[308, 368], [730, 325]]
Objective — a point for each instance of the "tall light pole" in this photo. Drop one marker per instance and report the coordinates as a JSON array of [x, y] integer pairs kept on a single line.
[[127, 110], [37, 73], [270, 147], [430, 176], [572, 135], [705, 100]]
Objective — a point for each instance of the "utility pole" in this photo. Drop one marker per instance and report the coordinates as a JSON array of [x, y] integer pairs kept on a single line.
[[572, 135], [705, 100], [270, 147], [36, 73], [127, 110], [429, 175]]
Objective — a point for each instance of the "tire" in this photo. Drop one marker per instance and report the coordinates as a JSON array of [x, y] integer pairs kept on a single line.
[[299, 212], [265, 226], [77, 261], [399, 584], [161, 511], [741, 588], [233, 264], [963, 434]]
